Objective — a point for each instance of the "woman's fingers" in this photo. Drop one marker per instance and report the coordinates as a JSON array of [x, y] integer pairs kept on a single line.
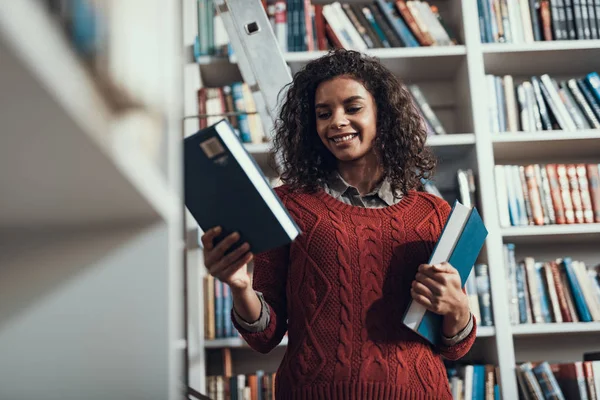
[[229, 259], [434, 286], [216, 254], [208, 237], [233, 268]]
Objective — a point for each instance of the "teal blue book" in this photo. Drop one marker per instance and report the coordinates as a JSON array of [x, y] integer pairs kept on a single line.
[[593, 80], [497, 392], [580, 303], [548, 382], [219, 318], [544, 295], [478, 382], [459, 244]]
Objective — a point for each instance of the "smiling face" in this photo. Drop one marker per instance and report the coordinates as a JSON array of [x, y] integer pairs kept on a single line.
[[346, 117]]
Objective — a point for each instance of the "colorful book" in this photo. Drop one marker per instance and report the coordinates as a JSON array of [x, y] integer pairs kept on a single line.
[[459, 244]]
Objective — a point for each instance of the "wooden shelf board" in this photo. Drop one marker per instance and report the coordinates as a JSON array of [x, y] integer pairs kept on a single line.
[[568, 57], [555, 45], [555, 328], [547, 146], [552, 233], [64, 160]]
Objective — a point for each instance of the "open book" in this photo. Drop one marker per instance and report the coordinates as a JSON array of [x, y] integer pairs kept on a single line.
[[224, 186], [459, 244]]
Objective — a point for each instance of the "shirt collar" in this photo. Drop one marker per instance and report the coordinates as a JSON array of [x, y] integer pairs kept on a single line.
[[338, 186]]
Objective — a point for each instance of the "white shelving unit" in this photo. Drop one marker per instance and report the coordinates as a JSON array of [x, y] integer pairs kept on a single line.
[[90, 220], [453, 80]]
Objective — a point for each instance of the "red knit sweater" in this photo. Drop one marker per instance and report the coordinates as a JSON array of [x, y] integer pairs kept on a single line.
[[340, 290]]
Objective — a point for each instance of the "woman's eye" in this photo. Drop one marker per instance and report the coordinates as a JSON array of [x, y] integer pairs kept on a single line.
[[323, 115], [353, 110]]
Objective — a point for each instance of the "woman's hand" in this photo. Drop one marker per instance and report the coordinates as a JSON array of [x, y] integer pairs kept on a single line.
[[438, 288], [231, 268]]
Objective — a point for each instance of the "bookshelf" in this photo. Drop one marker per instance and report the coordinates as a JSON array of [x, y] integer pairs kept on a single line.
[[90, 220], [454, 83]]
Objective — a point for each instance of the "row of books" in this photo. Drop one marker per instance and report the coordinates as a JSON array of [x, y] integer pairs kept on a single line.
[[473, 382], [543, 103], [378, 24], [575, 380], [548, 194], [218, 303], [562, 290], [526, 21], [300, 25], [237, 103], [259, 386]]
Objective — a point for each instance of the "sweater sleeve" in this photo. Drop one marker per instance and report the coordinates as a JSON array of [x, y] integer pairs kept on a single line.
[[269, 278], [460, 349]]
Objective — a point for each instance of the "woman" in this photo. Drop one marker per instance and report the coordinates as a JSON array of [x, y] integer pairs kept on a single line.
[[353, 155]]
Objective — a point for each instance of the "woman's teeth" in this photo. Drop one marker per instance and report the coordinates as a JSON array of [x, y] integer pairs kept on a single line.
[[341, 139]]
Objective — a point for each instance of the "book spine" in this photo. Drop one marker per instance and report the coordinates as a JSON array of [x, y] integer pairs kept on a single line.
[[546, 19], [583, 104], [219, 328], [571, 32], [552, 294], [484, 295], [565, 193], [568, 292], [580, 304], [534, 195], [560, 293], [511, 104], [543, 293], [586, 200], [493, 106], [513, 206], [513, 289], [588, 372], [471, 288], [555, 194], [546, 195], [575, 193], [534, 290], [593, 80], [524, 307], [578, 18], [237, 93], [527, 195], [501, 103], [594, 188], [544, 115], [519, 194]]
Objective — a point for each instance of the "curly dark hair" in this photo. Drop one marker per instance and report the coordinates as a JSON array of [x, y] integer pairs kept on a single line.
[[305, 163]]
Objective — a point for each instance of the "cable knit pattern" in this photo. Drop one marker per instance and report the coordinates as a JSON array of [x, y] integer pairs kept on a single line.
[[340, 290], [374, 366], [344, 350]]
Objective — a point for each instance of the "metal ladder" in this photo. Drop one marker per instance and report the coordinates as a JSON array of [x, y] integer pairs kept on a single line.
[[258, 55]]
